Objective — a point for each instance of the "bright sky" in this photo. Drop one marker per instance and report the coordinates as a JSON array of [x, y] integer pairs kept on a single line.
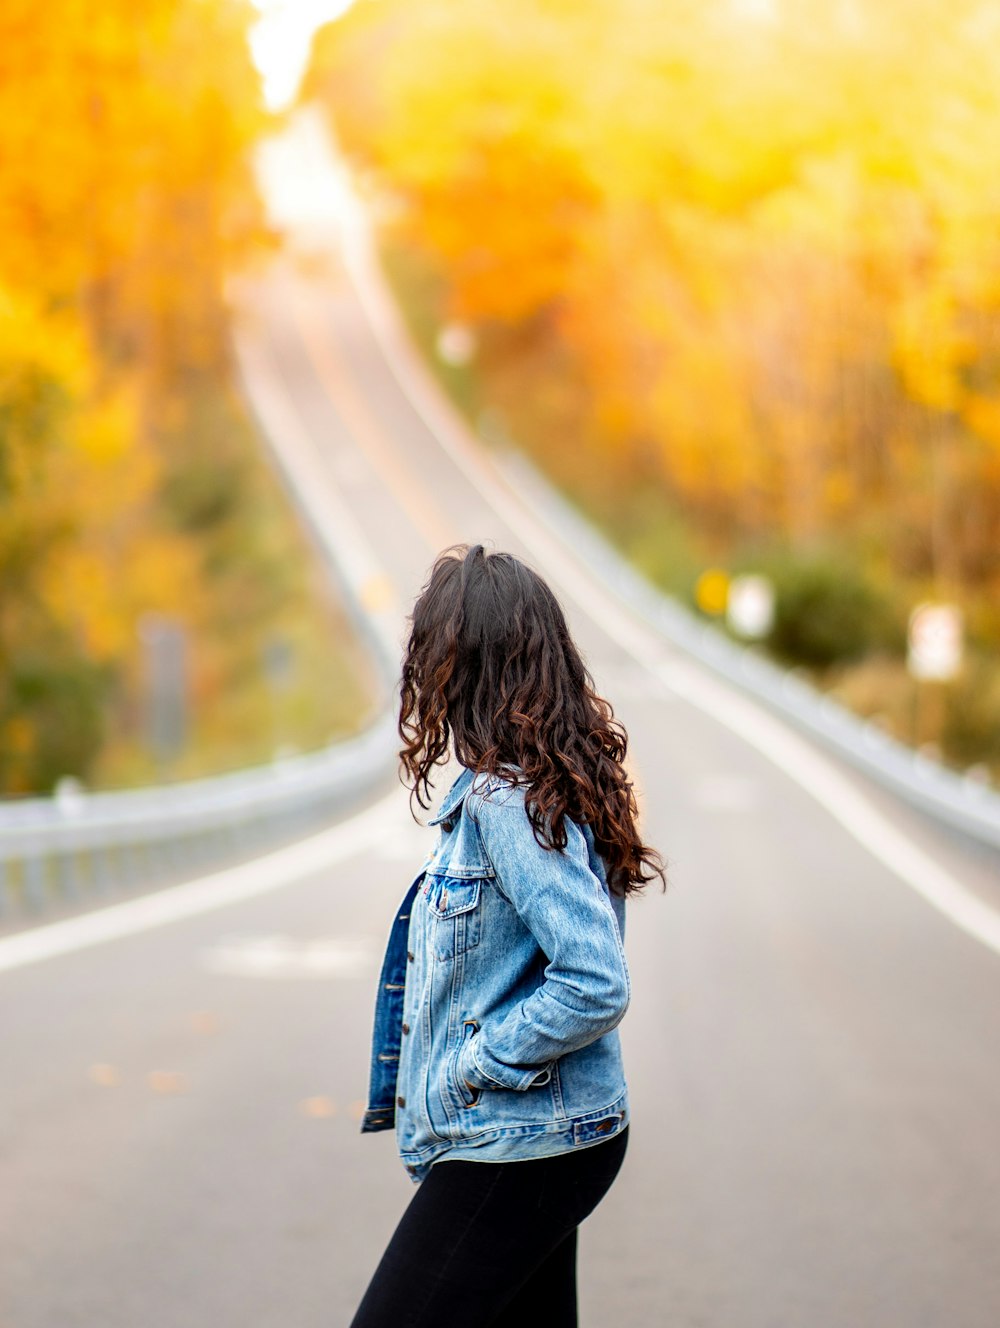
[[279, 42]]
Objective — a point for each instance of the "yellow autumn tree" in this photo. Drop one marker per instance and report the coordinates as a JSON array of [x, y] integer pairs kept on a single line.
[[124, 196], [758, 245]]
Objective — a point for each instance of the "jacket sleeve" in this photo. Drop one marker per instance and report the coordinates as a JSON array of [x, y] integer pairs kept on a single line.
[[586, 988]]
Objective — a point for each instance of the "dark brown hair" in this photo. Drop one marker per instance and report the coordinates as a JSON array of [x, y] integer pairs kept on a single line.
[[491, 666]]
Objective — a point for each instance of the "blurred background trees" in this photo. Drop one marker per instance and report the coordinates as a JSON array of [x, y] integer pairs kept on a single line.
[[733, 273], [730, 269], [129, 477]]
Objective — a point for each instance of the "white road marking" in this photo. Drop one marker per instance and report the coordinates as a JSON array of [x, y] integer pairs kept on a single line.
[[273, 871], [279, 956]]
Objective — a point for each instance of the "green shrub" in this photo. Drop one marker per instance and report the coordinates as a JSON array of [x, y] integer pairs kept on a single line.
[[971, 726], [827, 611], [55, 699]]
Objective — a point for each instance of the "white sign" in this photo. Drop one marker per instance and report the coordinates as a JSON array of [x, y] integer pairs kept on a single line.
[[456, 344], [279, 956], [750, 605], [934, 641]]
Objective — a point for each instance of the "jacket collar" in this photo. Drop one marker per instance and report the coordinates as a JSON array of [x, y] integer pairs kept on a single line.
[[453, 798], [456, 794]]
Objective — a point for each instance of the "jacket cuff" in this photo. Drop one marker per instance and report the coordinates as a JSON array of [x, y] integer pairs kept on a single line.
[[485, 1071]]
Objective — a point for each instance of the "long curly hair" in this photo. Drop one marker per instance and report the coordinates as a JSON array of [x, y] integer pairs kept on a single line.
[[490, 666]]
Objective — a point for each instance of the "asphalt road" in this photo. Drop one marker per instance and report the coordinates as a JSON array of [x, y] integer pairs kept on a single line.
[[811, 1047]]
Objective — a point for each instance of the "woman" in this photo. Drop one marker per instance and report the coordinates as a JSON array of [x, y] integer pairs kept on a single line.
[[495, 1052]]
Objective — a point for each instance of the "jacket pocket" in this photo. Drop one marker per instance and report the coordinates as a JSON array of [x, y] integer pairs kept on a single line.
[[464, 1092], [455, 908]]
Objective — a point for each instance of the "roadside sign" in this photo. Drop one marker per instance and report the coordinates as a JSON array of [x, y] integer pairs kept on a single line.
[[278, 655], [934, 640], [750, 605], [456, 344], [166, 647]]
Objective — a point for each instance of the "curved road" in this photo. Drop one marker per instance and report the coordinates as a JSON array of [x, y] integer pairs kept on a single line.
[[811, 1047]]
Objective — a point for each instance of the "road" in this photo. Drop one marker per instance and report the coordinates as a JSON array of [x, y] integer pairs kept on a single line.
[[811, 1047]]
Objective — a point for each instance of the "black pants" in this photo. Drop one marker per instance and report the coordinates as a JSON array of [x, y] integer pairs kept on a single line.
[[491, 1243]]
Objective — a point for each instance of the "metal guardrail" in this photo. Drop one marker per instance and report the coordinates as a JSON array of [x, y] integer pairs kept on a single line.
[[77, 848], [963, 803]]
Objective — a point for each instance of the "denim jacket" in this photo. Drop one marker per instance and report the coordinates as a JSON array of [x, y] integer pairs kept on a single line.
[[503, 983]]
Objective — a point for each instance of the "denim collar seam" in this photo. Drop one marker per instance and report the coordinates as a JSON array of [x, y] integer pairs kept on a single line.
[[454, 798]]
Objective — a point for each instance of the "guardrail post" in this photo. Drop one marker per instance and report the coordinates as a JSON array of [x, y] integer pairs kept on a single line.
[[135, 864], [68, 871], [103, 870], [35, 883]]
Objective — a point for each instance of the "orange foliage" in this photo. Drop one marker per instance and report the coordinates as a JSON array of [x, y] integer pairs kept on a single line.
[[124, 195], [769, 245]]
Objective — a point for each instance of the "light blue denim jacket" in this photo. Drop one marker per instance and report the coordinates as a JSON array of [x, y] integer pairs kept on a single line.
[[504, 970]]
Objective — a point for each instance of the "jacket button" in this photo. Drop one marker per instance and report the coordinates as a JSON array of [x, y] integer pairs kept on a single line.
[[605, 1125], [400, 1101], [409, 955], [406, 1028]]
